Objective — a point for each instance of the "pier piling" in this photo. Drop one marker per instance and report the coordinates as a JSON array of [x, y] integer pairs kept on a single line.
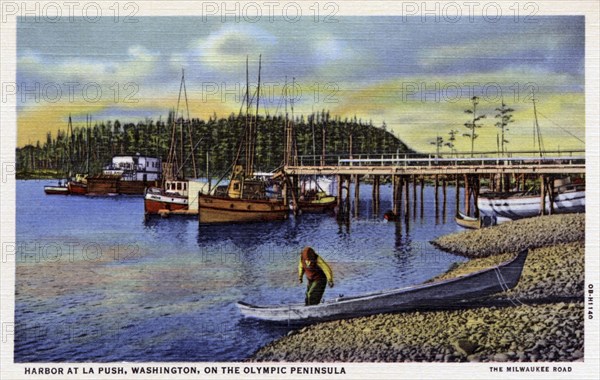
[[356, 195]]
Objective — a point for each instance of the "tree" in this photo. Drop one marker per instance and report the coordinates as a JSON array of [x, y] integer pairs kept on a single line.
[[505, 117], [438, 142], [451, 140], [472, 125]]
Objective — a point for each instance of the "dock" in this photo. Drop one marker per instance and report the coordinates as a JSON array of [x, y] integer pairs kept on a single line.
[[505, 172]]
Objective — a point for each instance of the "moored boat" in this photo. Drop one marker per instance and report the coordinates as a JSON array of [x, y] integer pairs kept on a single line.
[[78, 186], [467, 221], [245, 198], [173, 197], [177, 195], [214, 209], [568, 198], [56, 190], [317, 202], [441, 294]]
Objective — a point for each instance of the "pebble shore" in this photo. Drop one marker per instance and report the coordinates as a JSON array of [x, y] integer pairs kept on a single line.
[[543, 321]]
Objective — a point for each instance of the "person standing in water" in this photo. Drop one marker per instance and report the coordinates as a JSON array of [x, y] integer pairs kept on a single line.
[[318, 273]]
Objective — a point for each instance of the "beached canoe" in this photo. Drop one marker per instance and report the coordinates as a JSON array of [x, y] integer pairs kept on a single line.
[[467, 221], [442, 294]]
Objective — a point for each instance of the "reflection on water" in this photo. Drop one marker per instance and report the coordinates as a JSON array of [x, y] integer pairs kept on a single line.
[[95, 282]]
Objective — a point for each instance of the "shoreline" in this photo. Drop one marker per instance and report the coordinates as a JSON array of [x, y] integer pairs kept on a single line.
[[541, 319]]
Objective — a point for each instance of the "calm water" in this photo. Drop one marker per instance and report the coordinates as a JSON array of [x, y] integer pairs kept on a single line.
[[95, 282]]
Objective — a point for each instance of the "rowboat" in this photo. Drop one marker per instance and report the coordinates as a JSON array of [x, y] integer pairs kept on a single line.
[[433, 295], [56, 190], [467, 221], [318, 203]]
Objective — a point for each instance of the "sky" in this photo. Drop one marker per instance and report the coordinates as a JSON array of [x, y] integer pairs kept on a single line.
[[416, 77]]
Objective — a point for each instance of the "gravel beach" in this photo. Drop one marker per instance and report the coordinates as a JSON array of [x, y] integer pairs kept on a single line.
[[541, 319]]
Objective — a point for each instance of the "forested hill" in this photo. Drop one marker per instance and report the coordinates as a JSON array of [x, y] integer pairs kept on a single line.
[[217, 139]]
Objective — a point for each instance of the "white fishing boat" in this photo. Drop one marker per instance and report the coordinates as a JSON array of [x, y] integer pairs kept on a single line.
[[569, 198]]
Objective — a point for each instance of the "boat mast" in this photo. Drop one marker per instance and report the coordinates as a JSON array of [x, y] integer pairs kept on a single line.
[[255, 127], [189, 121], [180, 128], [87, 150], [247, 124], [286, 155], [171, 158], [71, 142], [294, 146], [538, 132]]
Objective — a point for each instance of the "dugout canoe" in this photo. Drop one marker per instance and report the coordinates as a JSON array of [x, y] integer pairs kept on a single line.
[[434, 295], [467, 221]]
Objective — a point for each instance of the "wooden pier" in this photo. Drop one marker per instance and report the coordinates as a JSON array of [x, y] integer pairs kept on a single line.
[[468, 168]]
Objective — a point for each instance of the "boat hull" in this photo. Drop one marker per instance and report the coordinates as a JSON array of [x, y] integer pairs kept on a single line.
[[441, 294], [517, 207], [467, 222], [154, 203], [212, 210], [56, 190], [318, 206], [77, 188], [114, 184]]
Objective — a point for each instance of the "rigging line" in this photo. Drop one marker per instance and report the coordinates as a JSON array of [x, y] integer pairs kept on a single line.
[[189, 155], [571, 134]]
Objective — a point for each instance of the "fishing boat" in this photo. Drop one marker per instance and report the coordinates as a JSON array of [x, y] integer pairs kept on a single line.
[[60, 189], [63, 189], [246, 198], [569, 198], [434, 295], [173, 197], [78, 186], [467, 221], [176, 193]]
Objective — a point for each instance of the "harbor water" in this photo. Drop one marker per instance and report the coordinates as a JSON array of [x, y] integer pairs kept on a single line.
[[96, 282]]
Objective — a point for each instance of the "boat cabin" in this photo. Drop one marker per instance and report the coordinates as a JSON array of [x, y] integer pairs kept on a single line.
[[177, 187], [246, 189], [135, 167]]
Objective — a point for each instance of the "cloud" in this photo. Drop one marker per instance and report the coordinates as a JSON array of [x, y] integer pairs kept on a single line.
[[328, 50], [226, 49], [544, 51], [135, 65]]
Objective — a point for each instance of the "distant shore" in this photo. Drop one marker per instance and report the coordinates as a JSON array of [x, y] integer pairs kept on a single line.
[[541, 319], [40, 174]]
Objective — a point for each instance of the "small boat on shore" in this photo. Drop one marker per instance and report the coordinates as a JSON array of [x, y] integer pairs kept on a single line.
[[433, 295], [467, 221], [569, 198]]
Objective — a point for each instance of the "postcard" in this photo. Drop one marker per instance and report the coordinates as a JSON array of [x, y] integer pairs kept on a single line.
[[325, 189]]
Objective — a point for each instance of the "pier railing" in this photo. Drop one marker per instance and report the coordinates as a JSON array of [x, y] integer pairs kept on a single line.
[[566, 157], [571, 161]]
